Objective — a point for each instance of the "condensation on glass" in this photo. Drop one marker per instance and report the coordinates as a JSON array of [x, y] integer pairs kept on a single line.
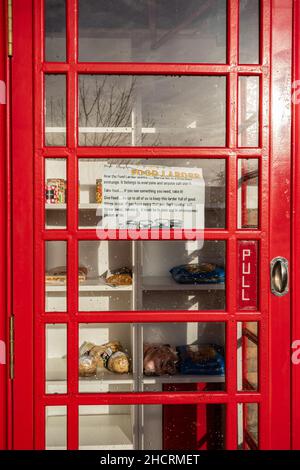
[[55, 193], [152, 357], [55, 110], [248, 426], [56, 427], [55, 30], [152, 111], [123, 275], [56, 276], [247, 356], [152, 427], [249, 31], [248, 131], [151, 31], [92, 186], [248, 177], [56, 358]]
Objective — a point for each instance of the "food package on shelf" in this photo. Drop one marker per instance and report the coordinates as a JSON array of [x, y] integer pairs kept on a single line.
[[99, 196], [198, 273], [105, 356], [87, 366], [59, 274], [118, 362], [201, 359], [160, 359], [119, 277], [55, 191], [101, 352]]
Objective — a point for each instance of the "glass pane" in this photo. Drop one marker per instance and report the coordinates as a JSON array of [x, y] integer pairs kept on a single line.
[[56, 427], [124, 357], [152, 427], [152, 111], [55, 29], [247, 356], [55, 112], [56, 358], [249, 31], [55, 193], [248, 193], [151, 31], [100, 181], [248, 426], [166, 275], [100, 287], [107, 357], [181, 356], [56, 276], [248, 111]]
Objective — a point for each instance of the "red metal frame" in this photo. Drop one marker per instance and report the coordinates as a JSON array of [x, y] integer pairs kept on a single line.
[[3, 234], [272, 314], [296, 231]]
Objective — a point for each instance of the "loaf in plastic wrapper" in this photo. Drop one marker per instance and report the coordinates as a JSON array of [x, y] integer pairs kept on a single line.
[[160, 359], [118, 362], [201, 359], [119, 277], [59, 274], [200, 273], [87, 366], [109, 356]]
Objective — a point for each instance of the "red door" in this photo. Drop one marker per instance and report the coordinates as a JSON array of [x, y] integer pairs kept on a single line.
[[183, 334]]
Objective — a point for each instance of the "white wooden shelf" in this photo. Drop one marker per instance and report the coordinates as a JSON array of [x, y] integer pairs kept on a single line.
[[183, 378], [165, 283], [84, 205], [90, 285], [96, 432]]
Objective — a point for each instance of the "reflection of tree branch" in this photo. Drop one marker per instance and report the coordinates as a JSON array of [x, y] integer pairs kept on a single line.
[[106, 104]]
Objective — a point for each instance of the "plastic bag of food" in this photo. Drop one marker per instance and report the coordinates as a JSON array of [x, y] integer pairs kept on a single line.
[[118, 362], [160, 359], [102, 352], [59, 274], [202, 359], [119, 277], [87, 366], [200, 273]]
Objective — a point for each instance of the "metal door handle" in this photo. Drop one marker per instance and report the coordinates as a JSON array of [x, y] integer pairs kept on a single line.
[[279, 276]]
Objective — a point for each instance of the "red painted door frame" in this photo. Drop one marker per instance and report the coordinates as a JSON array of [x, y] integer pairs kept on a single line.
[[296, 232], [277, 337]]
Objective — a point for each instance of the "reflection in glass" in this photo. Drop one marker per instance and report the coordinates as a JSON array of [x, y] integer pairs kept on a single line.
[[56, 427], [248, 193], [55, 193], [56, 358], [92, 189], [55, 30], [56, 276], [249, 31], [55, 110], [172, 275], [151, 31], [152, 111], [247, 356], [248, 111], [248, 427]]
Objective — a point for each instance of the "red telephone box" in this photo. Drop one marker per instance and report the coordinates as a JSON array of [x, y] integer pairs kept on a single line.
[[197, 97]]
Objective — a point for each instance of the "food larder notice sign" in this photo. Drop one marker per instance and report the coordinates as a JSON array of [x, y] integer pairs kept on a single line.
[[153, 197]]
